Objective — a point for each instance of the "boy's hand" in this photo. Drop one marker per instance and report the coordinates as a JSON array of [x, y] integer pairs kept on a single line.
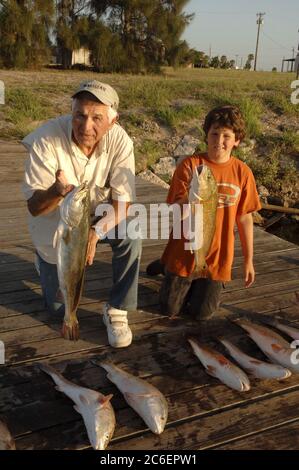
[[91, 247], [249, 273]]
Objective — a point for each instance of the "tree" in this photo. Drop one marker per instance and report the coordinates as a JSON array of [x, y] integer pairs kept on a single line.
[[215, 62], [149, 30], [249, 61], [201, 59], [24, 32], [72, 26], [224, 64]]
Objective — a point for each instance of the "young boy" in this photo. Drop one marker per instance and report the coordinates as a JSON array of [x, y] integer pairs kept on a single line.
[[237, 199]]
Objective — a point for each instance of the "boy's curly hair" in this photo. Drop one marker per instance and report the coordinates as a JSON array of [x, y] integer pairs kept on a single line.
[[226, 116]]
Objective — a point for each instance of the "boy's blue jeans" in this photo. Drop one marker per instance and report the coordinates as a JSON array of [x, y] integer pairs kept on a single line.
[[125, 271]]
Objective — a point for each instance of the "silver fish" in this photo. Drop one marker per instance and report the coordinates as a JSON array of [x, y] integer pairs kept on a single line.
[[289, 330], [6, 440], [259, 369], [95, 408], [72, 239], [276, 348], [143, 397], [220, 367], [203, 197]]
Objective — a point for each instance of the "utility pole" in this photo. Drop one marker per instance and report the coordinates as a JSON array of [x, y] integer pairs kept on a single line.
[[259, 22], [237, 55], [242, 63]]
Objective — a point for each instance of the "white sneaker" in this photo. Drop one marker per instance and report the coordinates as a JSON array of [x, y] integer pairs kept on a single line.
[[119, 332]]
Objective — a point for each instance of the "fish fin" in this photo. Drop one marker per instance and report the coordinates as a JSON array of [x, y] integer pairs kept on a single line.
[[255, 362], [77, 409], [104, 401], [83, 400], [58, 233], [276, 347], [211, 370], [78, 292]]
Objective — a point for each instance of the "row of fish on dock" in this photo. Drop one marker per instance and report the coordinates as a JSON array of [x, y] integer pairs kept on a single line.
[[151, 405]]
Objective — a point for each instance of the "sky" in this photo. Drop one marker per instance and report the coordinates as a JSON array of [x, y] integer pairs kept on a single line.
[[229, 28]]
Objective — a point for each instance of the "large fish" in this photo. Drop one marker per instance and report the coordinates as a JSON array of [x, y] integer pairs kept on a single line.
[[71, 241], [259, 369], [6, 439], [276, 348], [220, 367], [143, 397], [203, 197], [95, 408]]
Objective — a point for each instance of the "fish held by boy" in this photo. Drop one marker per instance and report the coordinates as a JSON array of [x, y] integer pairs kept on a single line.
[[148, 402], [6, 440], [203, 198], [220, 367], [71, 240], [95, 408], [255, 367], [276, 348]]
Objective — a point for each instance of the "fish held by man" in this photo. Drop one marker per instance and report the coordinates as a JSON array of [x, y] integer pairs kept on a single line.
[[95, 408], [6, 440], [276, 348], [203, 198], [255, 367], [220, 367], [72, 240], [148, 402]]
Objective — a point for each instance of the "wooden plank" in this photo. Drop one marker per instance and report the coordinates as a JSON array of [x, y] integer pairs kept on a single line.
[[280, 437]]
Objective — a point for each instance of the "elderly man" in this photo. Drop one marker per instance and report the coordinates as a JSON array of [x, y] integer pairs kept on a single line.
[[90, 146]]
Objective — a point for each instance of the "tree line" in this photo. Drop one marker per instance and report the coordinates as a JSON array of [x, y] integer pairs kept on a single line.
[[121, 35]]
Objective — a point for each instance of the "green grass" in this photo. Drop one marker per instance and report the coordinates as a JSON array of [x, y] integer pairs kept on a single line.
[[147, 153], [23, 109], [281, 103], [173, 116]]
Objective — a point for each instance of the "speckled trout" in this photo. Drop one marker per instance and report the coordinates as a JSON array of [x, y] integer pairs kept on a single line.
[[6, 439], [220, 367], [143, 397], [71, 241], [95, 408], [203, 197]]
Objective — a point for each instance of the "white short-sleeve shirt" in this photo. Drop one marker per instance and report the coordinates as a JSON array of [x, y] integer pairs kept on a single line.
[[51, 148]]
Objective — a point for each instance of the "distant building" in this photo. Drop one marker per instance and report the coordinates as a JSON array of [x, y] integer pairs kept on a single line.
[[81, 57], [68, 58]]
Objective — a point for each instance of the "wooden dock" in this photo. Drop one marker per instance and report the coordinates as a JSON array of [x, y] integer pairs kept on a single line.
[[203, 413]]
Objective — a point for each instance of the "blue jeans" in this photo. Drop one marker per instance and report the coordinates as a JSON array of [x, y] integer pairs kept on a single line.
[[125, 271]]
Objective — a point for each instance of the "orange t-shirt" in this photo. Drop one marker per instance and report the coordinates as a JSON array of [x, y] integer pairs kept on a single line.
[[237, 196]]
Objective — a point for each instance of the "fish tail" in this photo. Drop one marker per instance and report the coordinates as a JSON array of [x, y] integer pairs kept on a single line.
[[51, 372], [70, 329]]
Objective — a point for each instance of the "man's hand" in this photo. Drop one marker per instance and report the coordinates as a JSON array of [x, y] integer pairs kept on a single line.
[[61, 185], [249, 273], [91, 247]]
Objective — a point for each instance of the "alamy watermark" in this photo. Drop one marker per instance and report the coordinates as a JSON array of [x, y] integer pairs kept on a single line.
[[295, 94], [2, 353], [295, 354], [2, 92], [186, 221]]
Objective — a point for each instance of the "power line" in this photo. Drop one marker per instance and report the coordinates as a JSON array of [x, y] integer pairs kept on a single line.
[[275, 42]]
